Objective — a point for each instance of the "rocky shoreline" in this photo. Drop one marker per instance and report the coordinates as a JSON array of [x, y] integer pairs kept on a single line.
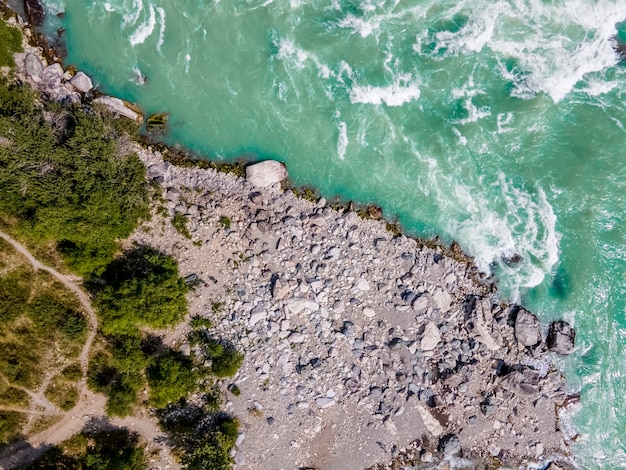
[[362, 347]]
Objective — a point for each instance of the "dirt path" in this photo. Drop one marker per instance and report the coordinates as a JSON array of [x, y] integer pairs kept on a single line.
[[89, 405]]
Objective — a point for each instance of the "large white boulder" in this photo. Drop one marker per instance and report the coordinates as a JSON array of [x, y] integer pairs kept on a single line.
[[81, 82], [266, 173]]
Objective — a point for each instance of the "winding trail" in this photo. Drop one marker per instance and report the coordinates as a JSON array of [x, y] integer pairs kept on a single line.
[[90, 406]]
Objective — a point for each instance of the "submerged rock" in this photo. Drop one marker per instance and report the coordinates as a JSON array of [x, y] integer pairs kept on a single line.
[[266, 173], [561, 337]]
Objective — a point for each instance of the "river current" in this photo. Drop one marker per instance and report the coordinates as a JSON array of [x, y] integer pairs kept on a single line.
[[496, 123]]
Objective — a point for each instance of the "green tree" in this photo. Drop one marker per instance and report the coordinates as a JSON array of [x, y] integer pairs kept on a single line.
[[171, 378]]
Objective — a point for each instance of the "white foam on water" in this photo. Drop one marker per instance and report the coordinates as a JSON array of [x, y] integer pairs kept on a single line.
[[162, 28], [54, 7], [462, 138], [555, 44], [288, 51], [145, 30], [133, 15], [403, 90], [502, 119], [342, 140]]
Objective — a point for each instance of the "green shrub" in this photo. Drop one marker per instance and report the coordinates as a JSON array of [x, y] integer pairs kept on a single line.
[[171, 378], [10, 42], [140, 288], [225, 222], [225, 361]]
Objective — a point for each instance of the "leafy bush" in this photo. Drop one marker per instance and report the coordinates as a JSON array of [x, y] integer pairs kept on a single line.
[[171, 378], [226, 360], [140, 288], [225, 222]]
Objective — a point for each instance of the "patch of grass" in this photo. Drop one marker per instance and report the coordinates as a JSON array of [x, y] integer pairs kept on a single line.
[[62, 393], [10, 43], [217, 307], [225, 360], [179, 222], [234, 389], [225, 222], [72, 372], [11, 396], [10, 425]]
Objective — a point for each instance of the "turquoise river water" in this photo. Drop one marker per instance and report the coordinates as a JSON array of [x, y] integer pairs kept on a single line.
[[496, 123]]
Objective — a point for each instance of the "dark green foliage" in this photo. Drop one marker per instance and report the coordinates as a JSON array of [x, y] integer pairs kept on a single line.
[[72, 372], [171, 378], [200, 322], [10, 425], [118, 373], [212, 452], [140, 288], [224, 222], [179, 222], [10, 42], [116, 449], [50, 313], [226, 360], [63, 181]]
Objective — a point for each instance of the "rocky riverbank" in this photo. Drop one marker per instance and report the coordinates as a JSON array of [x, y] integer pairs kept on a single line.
[[361, 347]]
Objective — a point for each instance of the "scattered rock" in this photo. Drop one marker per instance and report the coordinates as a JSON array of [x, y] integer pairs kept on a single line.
[[431, 423]]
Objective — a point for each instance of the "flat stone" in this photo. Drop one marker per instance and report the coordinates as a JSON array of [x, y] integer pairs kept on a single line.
[[524, 383], [442, 300], [362, 285], [325, 402], [117, 106], [296, 305], [258, 314], [430, 422], [266, 173], [369, 312], [431, 337], [81, 82], [280, 289]]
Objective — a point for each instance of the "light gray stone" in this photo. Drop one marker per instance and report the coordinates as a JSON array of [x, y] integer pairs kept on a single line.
[[257, 315], [431, 337], [325, 402], [430, 422], [527, 328], [266, 173], [561, 337], [81, 82], [33, 65], [296, 305], [117, 106]]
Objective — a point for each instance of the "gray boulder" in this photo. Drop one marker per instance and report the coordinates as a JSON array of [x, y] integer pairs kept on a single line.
[[527, 328], [33, 65], [266, 173], [561, 337], [81, 82], [524, 383]]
